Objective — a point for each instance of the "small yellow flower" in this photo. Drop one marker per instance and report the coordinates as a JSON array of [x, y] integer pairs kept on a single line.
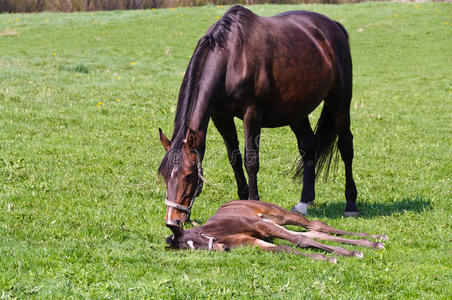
[[181, 15], [54, 54], [118, 77], [171, 9], [152, 8], [95, 21], [99, 104], [17, 19], [47, 20], [396, 15], [132, 63], [118, 100], [445, 23], [416, 6], [217, 17]]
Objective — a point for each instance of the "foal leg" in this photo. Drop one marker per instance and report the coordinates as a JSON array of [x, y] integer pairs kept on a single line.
[[226, 127], [237, 240], [252, 123], [266, 246], [281, 217], [266, 228], [326, 237], [306, 146]]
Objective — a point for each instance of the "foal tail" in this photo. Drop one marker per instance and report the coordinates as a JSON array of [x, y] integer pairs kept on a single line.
[[326, 151]]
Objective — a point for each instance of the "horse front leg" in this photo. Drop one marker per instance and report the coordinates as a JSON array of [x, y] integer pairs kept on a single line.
[[226, 127], [252, 123]]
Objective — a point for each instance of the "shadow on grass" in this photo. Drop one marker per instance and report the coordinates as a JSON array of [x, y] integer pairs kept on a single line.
[[335, 210]]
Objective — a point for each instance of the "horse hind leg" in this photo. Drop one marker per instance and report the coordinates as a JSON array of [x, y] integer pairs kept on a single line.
[[306, 167], [338, 105]]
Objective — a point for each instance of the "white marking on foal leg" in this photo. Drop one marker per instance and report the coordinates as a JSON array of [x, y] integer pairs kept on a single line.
[[190, 243], [264, 244]]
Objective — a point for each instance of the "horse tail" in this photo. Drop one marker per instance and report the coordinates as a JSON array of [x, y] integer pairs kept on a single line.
[[326, 151]]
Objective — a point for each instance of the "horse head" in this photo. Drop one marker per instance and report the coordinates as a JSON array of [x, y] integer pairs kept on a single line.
[[182, 171]]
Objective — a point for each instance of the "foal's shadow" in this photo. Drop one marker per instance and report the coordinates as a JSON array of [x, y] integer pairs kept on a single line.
[[335, 210]]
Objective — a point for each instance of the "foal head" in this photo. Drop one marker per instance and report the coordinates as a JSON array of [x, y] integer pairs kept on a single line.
[[192, 239], [181, 168]]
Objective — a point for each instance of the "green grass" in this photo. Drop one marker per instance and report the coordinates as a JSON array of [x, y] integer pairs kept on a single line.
[[81, 207]]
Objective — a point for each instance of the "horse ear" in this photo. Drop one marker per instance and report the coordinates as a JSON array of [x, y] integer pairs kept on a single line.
[[165, 142], [178, 231], [193, 139]]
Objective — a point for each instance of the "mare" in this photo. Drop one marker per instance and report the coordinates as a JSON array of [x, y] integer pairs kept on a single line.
[[269, 72]]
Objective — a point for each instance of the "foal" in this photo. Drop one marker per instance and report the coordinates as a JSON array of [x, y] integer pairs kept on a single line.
[[250, 222]]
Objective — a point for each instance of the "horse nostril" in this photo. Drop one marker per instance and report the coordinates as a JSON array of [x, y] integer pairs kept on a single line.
[[176, 222]]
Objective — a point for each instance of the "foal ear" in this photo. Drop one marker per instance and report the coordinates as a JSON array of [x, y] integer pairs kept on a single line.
[[165, 142], [193, 139], [178, 231]]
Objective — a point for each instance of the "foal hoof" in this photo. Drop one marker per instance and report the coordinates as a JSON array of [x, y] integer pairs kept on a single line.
[[358, 254], [384, 237], [379, 245], [354, 214], [301, 208], [332, 260]]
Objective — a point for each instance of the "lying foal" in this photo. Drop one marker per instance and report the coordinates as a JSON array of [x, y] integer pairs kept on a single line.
[[249, 222]]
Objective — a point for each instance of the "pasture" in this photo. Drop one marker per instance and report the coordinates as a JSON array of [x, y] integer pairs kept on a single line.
[[81, 208]]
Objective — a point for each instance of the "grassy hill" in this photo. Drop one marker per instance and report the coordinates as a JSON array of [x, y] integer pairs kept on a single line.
[[81, 208]]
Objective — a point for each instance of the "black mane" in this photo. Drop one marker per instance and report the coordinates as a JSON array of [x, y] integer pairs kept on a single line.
[[231, 23]]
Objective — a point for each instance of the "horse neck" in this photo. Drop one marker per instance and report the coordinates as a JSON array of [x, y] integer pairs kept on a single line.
[[210, 87]]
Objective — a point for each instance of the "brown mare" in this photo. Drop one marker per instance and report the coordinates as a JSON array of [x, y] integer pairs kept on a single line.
[[269, 72], [250, 222]]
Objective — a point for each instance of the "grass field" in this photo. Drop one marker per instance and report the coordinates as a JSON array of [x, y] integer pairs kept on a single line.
[[81, 206]]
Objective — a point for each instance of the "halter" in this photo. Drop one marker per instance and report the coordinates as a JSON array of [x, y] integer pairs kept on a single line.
[[211, 239], [187, 209]]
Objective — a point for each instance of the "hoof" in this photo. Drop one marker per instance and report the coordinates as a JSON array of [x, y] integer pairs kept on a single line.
[[354, 214], [379, 245], [358, 254], [332, 260], [301, 208], [384, 238]]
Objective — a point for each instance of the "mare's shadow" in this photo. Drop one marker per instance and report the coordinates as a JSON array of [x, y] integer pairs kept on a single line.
[[335, 210]]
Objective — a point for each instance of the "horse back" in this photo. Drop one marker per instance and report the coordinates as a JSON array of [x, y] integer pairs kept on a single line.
[[287, 63]]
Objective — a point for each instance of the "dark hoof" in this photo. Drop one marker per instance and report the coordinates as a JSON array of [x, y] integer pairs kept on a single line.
[[354, 214]]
